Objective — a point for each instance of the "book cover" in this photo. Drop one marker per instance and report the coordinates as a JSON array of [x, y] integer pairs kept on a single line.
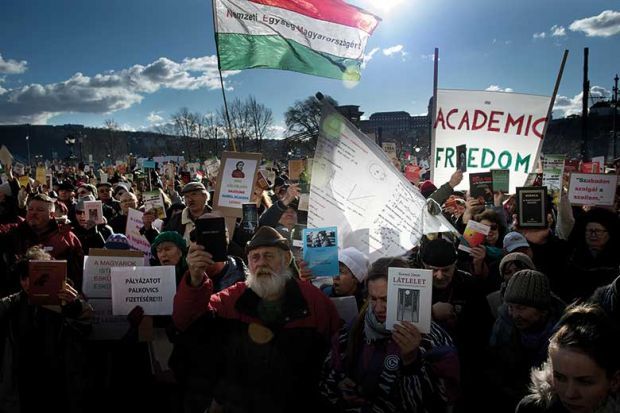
[[46, 279], [461, 158], [249, 222], [501, 180], [531, 207], [154, 200], [410, 294], [94, 211], [481, 186], [320, 251], [211, 234], [474, 235]]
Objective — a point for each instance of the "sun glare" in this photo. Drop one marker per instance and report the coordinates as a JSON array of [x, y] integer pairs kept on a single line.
[[385, 5]]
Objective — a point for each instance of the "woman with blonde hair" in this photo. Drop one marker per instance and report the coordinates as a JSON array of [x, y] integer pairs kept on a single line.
[[582, 374]]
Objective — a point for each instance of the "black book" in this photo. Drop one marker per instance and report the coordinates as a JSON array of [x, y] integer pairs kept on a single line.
[[211, 234], [250, 217], [461, 158], [481, 186]]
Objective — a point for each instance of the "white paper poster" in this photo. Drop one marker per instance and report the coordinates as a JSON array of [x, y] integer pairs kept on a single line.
[[410, 297], [152, 288], [237, 182], [97, 282], [356, 188], [592, 189], [501, 131], [94, 211]]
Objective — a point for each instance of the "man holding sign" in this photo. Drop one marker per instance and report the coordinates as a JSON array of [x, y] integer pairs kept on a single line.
[[267, 336]]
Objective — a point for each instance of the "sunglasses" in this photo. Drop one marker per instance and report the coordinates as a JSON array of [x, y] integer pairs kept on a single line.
[[493, 227]]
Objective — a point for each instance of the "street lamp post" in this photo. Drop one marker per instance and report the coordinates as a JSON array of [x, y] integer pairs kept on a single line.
[[615, 114], [28, 147]]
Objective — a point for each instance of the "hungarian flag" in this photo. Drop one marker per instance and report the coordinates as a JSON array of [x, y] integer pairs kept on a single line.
[[318, 37]]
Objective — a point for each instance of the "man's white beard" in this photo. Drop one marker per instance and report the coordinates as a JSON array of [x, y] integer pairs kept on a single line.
[[271, 285]]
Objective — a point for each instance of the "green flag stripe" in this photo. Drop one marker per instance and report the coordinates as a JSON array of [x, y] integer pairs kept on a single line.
[[240, 51]]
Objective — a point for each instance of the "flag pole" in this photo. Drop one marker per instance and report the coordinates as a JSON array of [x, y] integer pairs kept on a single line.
[[433, 113], [219, 69], [550, 108]]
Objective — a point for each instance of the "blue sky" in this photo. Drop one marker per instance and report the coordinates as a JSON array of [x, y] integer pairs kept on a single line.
[[57, 57]]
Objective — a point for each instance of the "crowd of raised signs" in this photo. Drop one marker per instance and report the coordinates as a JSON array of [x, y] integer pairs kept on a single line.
[[526, 320]]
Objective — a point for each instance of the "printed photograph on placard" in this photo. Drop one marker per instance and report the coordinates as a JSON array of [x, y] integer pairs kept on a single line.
[[408, 305], [320, 239], [320, 250]]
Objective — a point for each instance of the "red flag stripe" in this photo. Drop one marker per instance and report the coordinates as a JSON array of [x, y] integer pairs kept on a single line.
[[335, 11]]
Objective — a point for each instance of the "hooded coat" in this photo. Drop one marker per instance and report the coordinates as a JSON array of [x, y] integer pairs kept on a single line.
[[543, 398]]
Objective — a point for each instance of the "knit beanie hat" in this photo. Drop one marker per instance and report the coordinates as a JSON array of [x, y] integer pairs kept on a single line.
[[516, 256], [427, 188], [117, 242], [439, 253], [530, 288], [169, 236], [355, 261]]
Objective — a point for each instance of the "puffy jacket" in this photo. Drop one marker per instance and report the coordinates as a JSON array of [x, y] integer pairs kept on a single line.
[[255, 366]]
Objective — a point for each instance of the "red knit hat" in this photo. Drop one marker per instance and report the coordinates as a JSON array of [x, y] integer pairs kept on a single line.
[[427, 188]]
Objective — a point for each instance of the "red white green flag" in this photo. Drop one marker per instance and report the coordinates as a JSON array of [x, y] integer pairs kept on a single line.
[[318, 37]]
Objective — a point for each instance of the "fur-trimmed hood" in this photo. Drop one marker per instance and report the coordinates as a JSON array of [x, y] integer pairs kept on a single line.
[[543, 394]]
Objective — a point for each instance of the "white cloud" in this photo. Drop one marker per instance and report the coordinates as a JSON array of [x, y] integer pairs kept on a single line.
[[368, 57], [558, 31], [154, 118], [278, 130], [107, 92], [394, 49], [496, 88], [540, 35], [430, 57], [604, 25], [12, 67], [572, 106]]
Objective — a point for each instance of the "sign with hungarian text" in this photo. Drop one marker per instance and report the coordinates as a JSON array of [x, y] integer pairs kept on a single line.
[[501, 131], [592, 189]]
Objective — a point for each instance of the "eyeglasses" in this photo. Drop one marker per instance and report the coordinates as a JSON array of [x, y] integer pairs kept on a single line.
[[493, 227], [596, 232]]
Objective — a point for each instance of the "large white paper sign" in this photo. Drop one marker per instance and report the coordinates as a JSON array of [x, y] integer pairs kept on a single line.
[[501, 131], [152, 288], [356, 187], [592, 189]]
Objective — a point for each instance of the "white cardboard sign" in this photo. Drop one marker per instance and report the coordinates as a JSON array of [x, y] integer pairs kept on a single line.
[[152, 288], [592, 189]]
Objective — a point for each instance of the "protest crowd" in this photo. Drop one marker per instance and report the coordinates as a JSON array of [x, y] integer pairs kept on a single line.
[[524, 319]]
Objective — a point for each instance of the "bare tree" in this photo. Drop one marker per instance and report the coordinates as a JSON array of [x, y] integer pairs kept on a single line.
[[185, 123], [261, 120], [303, 119], [116, 143], [239, 122]]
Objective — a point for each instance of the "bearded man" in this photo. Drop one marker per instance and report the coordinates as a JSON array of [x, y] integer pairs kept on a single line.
[[267, 336]]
